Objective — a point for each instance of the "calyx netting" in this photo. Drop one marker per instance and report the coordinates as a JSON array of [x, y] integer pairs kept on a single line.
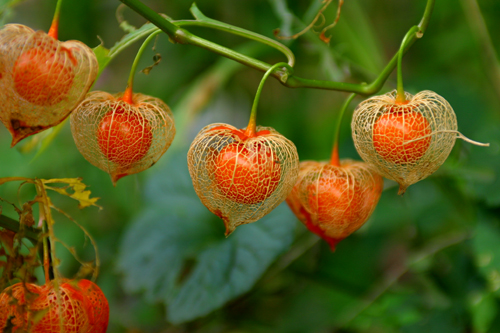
[[424, 155], [144, 133], [334, 201], [42, 79], [83, 306], [237, 201]]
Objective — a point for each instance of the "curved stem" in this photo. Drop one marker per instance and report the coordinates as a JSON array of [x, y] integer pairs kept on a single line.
[[127, 96], [183, 36], [400, 97], [252, 124], [334, 160], [202, 20], [54, 28]]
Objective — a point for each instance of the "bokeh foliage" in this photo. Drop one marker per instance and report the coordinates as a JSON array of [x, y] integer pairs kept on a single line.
[[427, 261]]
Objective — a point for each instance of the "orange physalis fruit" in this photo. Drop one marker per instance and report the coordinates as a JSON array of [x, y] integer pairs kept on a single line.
[[241, 177], [404, 141], [119, 137], [401, 135], [333, 201], [36, 309], [124, 138], [42, 79], [247, 174]]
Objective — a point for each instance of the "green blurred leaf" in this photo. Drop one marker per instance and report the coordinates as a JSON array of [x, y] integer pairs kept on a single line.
[[483, 307], [487, 254], [176, 253]]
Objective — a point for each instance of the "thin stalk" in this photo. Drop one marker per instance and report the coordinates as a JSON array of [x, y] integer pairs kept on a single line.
[[334, 160], [400, 97], [127, 96], [46, 257], [252, 124], [183, 36], [54, 28]]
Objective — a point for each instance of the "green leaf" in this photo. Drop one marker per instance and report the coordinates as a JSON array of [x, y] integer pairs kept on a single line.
[[484, 309], [103, 58], [487, 254], [175, 250]]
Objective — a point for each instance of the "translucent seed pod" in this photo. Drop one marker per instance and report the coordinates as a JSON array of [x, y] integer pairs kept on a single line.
[[42, 79], [122, 138], [334, 201], [36, 309], [238, 178], [405, 142]]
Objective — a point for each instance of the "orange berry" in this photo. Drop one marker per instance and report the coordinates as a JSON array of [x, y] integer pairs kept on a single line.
[[247, 174], [124, 137], [43, 78], [394, 134]]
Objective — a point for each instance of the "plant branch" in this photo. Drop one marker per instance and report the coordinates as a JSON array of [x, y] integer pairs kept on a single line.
[[13, 225], [183, 36]]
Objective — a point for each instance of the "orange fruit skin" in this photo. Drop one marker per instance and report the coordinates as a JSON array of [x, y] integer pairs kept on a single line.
[[393, 130], [43, 77], [84, 308], [332, 201], [124, 137], [247, 174]]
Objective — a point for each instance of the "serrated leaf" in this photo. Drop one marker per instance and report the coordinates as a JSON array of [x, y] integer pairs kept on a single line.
[[78, 187], [175, 251]]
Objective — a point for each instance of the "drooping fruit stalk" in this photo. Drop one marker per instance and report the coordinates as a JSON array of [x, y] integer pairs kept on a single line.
[[241, 175], [42, 79], [335, 198], [125, 133], [36, 309]]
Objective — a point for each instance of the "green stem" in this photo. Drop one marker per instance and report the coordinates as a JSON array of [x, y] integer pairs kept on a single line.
[[334, 160], [54, 28], [252, 124], [130, 82], [202, 20], [13, 225], [400, 97], [183, 36]]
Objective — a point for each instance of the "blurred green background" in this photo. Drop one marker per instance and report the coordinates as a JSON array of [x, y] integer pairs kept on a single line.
[[427, 261]]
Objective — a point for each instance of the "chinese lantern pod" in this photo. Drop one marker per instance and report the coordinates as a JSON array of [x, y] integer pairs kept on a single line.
[[334, 201], [240, 179], [122, 138], [42, 79], [405, 142], [36, 309]]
